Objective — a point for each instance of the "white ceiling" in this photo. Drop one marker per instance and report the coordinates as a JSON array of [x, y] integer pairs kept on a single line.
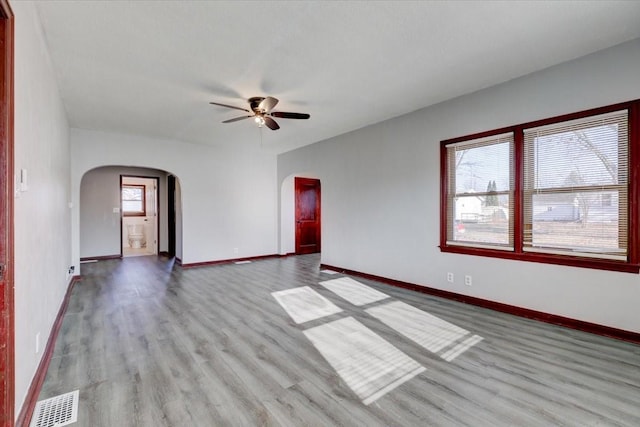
[[151, 68]]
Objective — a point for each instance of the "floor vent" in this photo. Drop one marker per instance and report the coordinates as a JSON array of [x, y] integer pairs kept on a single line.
[[56, 411]]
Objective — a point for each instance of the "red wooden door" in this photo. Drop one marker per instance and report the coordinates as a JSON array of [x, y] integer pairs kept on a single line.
[[6, 217], [307, 215]]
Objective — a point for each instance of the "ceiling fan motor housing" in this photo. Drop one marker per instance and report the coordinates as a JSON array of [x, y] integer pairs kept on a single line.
[[254, 102]]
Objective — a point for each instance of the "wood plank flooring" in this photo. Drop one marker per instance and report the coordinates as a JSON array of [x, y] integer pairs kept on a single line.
[[150, 344]]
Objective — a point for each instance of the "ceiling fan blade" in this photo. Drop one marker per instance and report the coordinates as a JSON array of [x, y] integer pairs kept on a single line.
[[230, 106], [236, 119], [271, 124], [284, 115], [268, 103]]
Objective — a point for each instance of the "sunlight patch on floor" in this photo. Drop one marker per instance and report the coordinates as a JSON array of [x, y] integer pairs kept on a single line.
[[425, 329], [353, 291], [304, 304], [369, 365]]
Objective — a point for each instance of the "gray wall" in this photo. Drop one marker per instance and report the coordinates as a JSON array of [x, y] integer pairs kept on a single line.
[[42, 221], [99, 194], [380, 193]]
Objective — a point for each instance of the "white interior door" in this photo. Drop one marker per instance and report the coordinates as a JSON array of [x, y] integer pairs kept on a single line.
[[151, 220]]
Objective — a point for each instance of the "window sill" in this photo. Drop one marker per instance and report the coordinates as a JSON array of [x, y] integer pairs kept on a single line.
[[570, 261]]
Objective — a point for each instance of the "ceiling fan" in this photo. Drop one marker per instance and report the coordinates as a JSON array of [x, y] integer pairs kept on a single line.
[[261, 112]]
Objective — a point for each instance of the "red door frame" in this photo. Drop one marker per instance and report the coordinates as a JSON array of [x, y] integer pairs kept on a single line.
[[301, 183], [7, 329]]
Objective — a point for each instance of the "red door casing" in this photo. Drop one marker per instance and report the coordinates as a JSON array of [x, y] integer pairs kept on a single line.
[[6, 217], [307, 201]]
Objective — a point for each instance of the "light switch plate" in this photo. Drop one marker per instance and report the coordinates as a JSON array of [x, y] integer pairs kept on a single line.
[[24, 184]]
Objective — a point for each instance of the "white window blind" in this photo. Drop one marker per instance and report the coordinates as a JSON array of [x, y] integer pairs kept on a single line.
[[133, 200], [575, 192], [480, 192]]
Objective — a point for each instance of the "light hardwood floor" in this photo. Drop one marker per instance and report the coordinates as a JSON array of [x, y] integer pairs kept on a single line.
[[150, 344]]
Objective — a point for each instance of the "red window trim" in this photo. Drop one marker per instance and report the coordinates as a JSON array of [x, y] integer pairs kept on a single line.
[[632, 265]]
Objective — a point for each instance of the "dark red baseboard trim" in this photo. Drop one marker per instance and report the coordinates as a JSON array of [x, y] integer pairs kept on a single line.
[[567, 322], [38, 379], [227, 261], [100, 258]]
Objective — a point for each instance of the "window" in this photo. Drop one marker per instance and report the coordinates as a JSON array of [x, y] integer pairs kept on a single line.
[[133, 201], [572, 167], [480, 192], [557, 190]]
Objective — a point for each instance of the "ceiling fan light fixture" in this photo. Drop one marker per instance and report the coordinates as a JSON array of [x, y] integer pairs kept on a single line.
[[259, 120]]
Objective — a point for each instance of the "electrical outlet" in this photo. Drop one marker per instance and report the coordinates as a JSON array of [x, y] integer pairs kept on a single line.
[[450, 277], [467, 280], [38, 343]]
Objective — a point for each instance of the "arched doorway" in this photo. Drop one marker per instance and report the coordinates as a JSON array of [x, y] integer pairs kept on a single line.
[[103, 225]]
